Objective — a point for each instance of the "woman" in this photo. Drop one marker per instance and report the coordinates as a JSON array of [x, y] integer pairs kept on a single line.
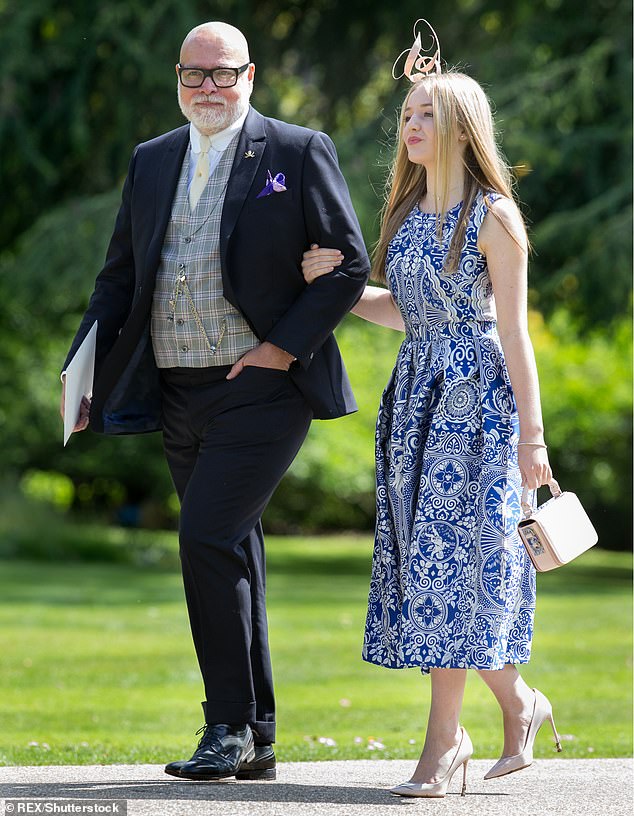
[[459, 427]]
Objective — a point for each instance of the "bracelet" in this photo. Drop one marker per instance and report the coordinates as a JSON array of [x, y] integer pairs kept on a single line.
[[534, 444]]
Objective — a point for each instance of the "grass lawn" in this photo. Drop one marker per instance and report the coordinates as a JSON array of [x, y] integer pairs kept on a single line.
[[97, 666]]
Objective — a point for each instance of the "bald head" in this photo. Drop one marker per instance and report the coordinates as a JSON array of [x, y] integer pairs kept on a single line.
[[222, 38]]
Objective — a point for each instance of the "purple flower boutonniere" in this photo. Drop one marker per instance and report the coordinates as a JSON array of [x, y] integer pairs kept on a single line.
[[274, 184]]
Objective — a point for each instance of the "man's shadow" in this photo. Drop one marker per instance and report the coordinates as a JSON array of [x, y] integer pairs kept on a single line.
[[221, 791]]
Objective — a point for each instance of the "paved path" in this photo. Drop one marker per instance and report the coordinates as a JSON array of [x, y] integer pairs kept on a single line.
[[553, 787]]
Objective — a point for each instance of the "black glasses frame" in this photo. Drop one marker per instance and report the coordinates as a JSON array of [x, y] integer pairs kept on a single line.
[[209, 72]]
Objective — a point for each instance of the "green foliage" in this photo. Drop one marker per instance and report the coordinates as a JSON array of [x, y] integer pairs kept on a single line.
[[586, 385], [331, 483], [82, 82], [587, 399], [127, 688], [47, 280], [33, 527], [49, 487], [586, 389]]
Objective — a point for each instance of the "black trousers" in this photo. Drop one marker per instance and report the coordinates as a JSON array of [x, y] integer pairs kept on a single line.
[[228, 444]]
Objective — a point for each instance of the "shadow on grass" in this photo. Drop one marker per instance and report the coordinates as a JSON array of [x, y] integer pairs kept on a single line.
[[575, 577], [326, 565], [80, 584], [582, 577], [77, 584]]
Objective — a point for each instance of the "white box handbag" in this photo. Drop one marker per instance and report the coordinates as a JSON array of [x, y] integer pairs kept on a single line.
[[556, 532]]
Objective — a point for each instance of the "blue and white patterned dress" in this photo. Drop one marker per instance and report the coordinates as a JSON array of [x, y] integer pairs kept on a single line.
[[451, 584]]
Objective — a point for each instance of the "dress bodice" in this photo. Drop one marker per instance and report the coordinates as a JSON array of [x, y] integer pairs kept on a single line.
[[424, 293]]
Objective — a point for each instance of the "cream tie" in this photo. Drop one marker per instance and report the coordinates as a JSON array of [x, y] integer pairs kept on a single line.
[[201, 173]]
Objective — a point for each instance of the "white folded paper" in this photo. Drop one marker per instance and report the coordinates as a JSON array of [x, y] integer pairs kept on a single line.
[[80, 373]]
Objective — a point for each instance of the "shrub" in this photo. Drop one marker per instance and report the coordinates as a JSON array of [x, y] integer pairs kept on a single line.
[[586, 389]]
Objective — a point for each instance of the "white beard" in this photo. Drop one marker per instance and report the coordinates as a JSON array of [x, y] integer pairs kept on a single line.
[[214, 119]]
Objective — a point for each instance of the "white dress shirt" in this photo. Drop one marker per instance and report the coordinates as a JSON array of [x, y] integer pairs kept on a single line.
[[219, 143]]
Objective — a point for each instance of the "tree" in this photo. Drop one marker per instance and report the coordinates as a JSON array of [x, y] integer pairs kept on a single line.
[[81, 82]]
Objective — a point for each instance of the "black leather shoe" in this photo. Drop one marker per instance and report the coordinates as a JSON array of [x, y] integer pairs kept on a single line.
[[261, 767], [174, 768], [223, 749]]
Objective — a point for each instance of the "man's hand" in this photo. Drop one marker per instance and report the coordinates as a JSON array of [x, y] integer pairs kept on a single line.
[[84, 410], [266, 355]]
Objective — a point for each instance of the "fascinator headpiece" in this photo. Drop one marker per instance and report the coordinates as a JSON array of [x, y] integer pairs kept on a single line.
[[420, 62]]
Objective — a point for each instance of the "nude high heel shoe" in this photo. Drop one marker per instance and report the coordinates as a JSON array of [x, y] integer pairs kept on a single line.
[[509, 764], [437, 790]]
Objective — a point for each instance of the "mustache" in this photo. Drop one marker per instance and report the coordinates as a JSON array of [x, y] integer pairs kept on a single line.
[[203, 97]]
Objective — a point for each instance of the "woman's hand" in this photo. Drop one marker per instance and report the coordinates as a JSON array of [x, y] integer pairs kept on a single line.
[[317, 262], [534, 466], [375, 304]]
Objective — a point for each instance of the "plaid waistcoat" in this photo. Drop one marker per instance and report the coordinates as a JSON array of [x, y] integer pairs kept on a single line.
[[192, 248]]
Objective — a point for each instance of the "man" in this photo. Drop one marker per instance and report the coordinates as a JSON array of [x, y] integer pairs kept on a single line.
[[207, 331]]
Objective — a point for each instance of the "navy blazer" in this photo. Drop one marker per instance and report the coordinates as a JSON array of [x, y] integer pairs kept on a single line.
[[261, 246]]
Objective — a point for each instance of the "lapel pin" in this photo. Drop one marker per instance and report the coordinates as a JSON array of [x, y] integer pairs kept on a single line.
[[249, 154]]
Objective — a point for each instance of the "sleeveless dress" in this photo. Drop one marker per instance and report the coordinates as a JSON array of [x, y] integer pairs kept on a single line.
[[451, 586]]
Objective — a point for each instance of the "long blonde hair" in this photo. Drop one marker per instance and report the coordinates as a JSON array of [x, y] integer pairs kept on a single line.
[[459, 106]]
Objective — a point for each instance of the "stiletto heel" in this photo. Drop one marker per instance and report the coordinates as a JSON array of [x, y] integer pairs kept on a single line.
[[542, 711], [557, 737], [438, 789], [464, 777]]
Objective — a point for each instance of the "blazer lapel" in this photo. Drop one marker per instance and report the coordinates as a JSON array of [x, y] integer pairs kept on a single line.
[[167, 179], [251, 146]]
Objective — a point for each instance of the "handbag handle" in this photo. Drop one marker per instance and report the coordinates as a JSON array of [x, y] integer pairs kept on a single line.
[[527, 509]]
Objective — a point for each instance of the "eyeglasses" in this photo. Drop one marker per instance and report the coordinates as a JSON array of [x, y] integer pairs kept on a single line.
[[221, 77]]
